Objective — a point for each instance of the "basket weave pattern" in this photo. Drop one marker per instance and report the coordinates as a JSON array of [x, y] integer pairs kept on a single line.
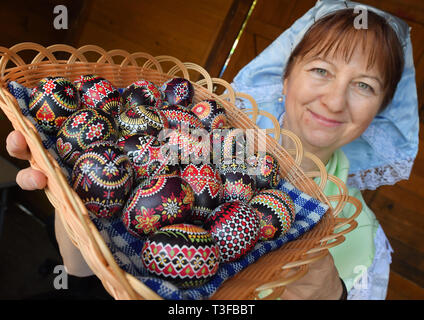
[[272, 271]]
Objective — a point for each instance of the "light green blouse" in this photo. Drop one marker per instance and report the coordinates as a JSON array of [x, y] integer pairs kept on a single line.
[[356, 253]]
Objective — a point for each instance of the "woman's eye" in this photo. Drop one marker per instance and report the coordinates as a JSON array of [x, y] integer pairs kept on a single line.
[[364, 86], [320, 71]]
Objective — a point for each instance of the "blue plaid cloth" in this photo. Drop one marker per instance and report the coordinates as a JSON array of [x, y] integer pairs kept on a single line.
[[126, 249]]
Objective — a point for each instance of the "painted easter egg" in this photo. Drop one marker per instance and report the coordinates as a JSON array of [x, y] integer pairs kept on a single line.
[[227, 143], [276, 212], [211, 113], [207, 187], [97, 92], [238, 184], [157, 202], [188, 146], [103, 178], [141, 119], [178, 91], [184, 254], [142, 92], [266, 169], [145, 153], [81, 129], [235, 228], [178, 117], [52, 101]]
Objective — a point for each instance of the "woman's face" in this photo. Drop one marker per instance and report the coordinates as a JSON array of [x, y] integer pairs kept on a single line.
[[330, 102]]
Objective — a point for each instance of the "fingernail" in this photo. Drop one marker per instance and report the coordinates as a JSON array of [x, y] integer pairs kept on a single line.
[[32, 182]]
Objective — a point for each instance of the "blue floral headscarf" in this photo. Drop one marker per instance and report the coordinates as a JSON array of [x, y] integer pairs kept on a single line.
[[385, 152]]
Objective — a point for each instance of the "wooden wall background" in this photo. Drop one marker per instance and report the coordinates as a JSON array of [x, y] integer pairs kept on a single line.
[[203, 32]]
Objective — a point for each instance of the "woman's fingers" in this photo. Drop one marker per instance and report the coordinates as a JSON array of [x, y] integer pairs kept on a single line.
[[16, 146], [31, 179]]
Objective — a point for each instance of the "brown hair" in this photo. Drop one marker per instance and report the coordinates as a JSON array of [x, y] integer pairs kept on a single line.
[[337, 32]]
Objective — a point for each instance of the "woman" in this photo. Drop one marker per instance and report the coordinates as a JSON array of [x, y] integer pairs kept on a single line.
[[331, 97], [338, 92]]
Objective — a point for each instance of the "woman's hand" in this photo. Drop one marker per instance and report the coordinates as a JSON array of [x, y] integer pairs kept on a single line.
[[29, 178], [322, 282]]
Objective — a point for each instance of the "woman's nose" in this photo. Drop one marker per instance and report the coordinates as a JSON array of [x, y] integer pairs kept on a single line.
[[334, 97]]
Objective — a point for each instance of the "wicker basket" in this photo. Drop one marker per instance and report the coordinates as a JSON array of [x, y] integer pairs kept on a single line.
[[272, 271]]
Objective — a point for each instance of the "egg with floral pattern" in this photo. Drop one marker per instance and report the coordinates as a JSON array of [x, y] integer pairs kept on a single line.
[[157, 202], [97, 92], [178, 91], [276, 211], [183, 254], [142, 92], [237, 182], [141, 119], [178, 117], [81, 129], [211, 113], [147, 158], [103, 178], [235, 228], [52, 101], [207, 187], [266, 169]]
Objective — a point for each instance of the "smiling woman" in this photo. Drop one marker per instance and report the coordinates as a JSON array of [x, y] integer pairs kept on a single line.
[[342, 88], [338, 78]]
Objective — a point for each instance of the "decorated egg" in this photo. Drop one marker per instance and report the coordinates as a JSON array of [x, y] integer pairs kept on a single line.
[[178, 117], [187, 147], [157, 202], [81, 129], [97, 92], [103, 178], [235, 228], [142, 92], [141, 119], [284, 197], [146, 156], [238, 184], [178, 91], [227, 143], [184, 254], [266, 170], [52, 101], [207, 187], [211, 113], [275, 213]]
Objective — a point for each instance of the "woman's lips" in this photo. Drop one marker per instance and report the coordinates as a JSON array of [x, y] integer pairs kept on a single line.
[[325, 121]]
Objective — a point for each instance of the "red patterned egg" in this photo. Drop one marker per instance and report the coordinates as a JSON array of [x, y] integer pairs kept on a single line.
[[227, 143], [157, 202], [141, 119], [276, 212], [103, 178], [187, 146], [238, 184], [52, 101], [178, 117], [265, 169], [145, 153], [211, 113], [97, 92], [207, 187], [183, 254], [142, 92], [81, 129], [235, 228], [178, 91]]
